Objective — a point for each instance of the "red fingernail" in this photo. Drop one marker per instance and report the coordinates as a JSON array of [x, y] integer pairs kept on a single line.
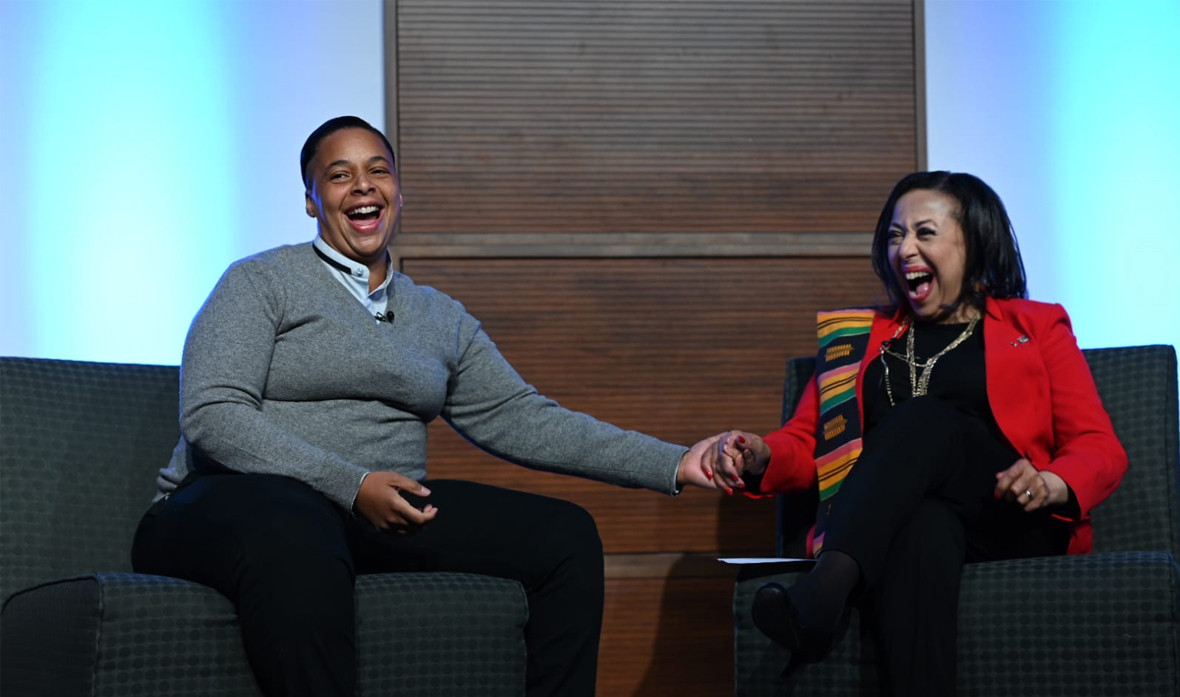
[[729, 491], [742, 440], [741, 484], [709, 474]]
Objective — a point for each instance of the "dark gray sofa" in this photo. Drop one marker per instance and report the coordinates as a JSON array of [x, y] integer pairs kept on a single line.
[[80, 443], [1102, 624]]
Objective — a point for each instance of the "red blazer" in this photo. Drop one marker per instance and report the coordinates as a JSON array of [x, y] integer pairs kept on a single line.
[[1041, 393]]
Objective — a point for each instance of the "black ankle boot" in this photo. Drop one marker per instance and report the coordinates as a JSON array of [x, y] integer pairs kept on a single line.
[[777, 617]]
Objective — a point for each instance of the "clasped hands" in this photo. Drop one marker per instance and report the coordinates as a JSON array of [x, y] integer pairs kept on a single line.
[[718, 462]]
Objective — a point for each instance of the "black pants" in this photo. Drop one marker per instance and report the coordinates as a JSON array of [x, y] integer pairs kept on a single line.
[[287, 558], [917, 506]]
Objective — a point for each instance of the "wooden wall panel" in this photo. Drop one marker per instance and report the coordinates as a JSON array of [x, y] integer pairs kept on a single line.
[[679, 348], [667, 636], [645, 202], [685, 116]]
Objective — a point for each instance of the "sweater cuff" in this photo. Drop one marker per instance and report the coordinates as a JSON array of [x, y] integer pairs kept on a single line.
[[675, 487]]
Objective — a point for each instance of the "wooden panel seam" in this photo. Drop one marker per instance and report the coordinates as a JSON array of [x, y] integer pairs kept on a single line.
[[392, 83], [723, 244]]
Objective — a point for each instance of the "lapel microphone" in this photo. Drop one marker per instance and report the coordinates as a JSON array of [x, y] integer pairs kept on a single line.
[[384, 317]]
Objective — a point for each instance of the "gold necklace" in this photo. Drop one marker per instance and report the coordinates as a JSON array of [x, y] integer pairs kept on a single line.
[[919, 370]]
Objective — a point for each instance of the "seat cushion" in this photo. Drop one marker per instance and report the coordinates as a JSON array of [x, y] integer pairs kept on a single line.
[[132, 634], [421, 635]]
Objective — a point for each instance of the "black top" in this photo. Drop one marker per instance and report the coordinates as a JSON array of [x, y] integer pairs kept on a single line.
[[959, 377]]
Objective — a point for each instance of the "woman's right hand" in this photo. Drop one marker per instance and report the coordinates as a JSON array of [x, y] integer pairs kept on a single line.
[[736, 453], [380, 501]]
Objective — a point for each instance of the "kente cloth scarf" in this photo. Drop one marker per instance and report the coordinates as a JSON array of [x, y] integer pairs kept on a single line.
[[843, 339]]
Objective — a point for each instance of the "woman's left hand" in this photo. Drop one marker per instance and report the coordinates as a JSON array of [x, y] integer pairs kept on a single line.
[[1029, 487]]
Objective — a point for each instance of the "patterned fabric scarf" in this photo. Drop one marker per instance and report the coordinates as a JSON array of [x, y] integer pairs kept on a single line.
[[843, 338]]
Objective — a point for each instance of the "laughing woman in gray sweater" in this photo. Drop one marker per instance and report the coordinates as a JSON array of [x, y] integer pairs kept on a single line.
[[307, 382]]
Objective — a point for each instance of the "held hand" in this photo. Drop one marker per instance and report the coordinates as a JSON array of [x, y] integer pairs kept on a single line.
[[725, 457], [737, 453], [1030, 488], [380, 501], [693, 470]]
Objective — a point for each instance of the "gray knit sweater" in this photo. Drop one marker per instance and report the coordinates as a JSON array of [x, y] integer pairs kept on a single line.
[[284, 372]]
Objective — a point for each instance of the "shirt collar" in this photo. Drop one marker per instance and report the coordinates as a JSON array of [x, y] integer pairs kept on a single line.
[[338, 261], [354, 276]]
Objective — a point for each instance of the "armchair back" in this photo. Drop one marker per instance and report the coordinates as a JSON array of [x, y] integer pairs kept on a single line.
[[80, 443]]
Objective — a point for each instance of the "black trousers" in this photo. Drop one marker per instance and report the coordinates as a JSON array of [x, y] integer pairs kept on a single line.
[[917, 506], [287, 557]]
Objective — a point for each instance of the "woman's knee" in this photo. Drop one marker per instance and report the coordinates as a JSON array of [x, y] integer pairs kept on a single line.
[[570, 549], [578, 529]]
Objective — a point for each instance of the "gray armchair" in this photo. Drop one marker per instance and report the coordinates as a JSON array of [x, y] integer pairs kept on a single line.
[[1106, 623], [80, 444]]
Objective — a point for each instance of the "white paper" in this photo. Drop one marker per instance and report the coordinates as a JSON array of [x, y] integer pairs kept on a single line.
[[763, 560]]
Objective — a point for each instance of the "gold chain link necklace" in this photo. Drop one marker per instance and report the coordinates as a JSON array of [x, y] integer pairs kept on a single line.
[[919, 370]]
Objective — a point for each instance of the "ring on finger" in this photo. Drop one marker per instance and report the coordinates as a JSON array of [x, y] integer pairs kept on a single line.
[[1029, 494]]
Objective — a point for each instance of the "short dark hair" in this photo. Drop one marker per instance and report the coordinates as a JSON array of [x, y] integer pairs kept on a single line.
[[326, 129], [993, 266]]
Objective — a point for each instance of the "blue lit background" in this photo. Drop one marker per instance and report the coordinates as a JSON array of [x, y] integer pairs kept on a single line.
[[1071, 110], [148, 144]]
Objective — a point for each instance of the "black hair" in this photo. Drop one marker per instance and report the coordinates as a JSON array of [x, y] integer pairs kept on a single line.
[[993, 265], [326, 129]]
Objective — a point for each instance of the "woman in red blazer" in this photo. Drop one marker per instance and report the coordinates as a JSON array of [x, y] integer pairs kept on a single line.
[[959, 424]]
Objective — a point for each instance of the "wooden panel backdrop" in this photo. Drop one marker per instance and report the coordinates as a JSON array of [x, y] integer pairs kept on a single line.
[[645, 202]]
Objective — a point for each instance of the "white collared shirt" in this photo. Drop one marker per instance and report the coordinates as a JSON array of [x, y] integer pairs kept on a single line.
[[354, 276]]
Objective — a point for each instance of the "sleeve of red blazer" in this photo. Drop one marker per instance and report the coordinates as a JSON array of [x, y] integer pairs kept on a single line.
[[792, 447], [1086, 452]]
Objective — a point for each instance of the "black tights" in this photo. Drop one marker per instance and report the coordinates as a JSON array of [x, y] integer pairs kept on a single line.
[[272, 544]]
